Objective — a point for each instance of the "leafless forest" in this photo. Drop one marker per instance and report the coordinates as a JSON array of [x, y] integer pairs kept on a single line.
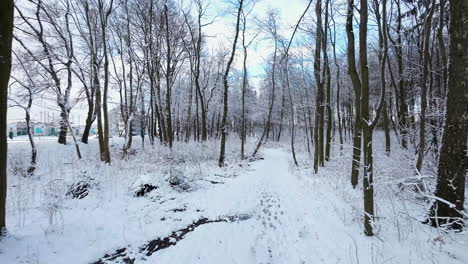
[[348, 80]]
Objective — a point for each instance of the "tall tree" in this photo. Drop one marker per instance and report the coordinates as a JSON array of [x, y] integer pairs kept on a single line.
[[271, 27], [368, 184], [6, 36], [425, 73], [402, 106], [196, 41], [367, 123], [356, 82], [224, 131], [382, 54], [86, 22], [338, 80], [319, 97], [449, 195], [105, 10], [327, 80]]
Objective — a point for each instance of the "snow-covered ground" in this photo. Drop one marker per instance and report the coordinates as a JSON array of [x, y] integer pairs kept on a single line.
[[264, 211]]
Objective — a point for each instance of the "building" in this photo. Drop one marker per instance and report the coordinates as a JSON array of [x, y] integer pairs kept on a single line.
[[37, 128]]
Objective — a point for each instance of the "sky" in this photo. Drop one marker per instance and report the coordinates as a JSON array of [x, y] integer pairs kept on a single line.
[[220, 33], [289, 12]]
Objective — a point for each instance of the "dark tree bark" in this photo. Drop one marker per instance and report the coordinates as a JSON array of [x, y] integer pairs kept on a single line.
[[327, 79], [103, 126], [319, 99], [447, 208], [169, 79], [368, 184], [196, 45], [367, 123], [244, 86], [353, 74], [283, 102], [32, 166], [403, 106], [386, 127], [440, 42], [425, 74], [90, 89], [6, 36], [226, 87], [90, 117], [293, 125], [383, 47]]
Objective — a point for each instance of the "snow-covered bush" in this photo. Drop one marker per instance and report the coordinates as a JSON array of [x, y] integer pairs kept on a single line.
[[178, 179], [18, 164], [143, 186], [81, 187]]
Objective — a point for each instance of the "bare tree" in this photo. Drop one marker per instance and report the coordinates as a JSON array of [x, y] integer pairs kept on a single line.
[[245, 45], [45, 19], [271, 27], [356, 82], [174, 50], [105, 9], [6, 35], [196, 42], [224, 131], [319, 97], [449, 195], [24, 99], [86, 21], [338, 79], [425, 73]]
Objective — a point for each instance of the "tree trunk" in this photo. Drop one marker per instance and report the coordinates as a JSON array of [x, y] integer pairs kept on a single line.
[[328, 133], [403, 111], [32, 166], [283, 101], [319, 104], [104, 123], [244, 90], [6, 35], [422, 116], [447, 208], [62, 138], [222, 152], [366, 128], [357, 94], [89, 122], [386, 130], [100, 130], [338, 87], [383, 47], [169, 75], [293, 126]]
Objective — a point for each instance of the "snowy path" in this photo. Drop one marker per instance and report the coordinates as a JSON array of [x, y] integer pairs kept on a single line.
[[266, 214], [289, 223]]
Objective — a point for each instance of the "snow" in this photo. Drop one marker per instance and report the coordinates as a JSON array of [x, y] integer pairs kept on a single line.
[[284, 214]]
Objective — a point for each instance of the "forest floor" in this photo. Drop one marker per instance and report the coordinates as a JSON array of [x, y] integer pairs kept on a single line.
[[263, 211]]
